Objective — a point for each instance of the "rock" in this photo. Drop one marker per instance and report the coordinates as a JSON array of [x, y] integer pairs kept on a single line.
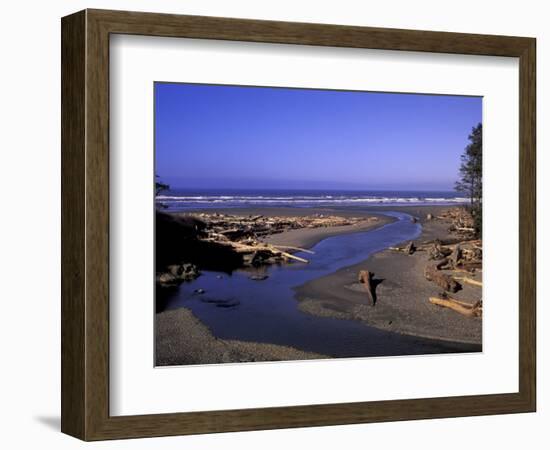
[[199, 291], [184, 272], [259, 277], [167, 279], [414, 219], [228, 304], [259, 257], [273, 260], [429, 216]]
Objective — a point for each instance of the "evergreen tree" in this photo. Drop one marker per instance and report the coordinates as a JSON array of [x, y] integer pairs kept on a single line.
[[470, 182], [159, 187]]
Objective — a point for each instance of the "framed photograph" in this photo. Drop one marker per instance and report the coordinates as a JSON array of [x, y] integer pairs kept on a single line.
[[273, 225]]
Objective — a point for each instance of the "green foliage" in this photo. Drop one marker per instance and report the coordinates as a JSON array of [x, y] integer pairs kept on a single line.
[[470, 182], [159, 187]]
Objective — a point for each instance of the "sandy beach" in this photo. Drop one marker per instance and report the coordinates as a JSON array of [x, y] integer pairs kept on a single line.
[[402, 292]]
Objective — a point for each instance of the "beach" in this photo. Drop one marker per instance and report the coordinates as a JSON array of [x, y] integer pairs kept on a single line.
[[308, 237], [407, 322], [402, 293], [181, 339]]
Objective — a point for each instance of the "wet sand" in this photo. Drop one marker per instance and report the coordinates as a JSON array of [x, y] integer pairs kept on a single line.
[[402, 292], [182, 339], [308, 237]]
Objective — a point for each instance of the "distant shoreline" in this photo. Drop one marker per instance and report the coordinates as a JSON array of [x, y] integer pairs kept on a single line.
[[176, 200]]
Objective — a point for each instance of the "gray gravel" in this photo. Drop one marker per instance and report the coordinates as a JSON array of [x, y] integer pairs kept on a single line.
[[402, 294], [181, 339]]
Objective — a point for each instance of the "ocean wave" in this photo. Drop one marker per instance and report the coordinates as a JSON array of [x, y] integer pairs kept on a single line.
[[301, 200]]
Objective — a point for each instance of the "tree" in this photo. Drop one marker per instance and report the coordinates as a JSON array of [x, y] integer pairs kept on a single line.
[[470, 182], [159, 187]]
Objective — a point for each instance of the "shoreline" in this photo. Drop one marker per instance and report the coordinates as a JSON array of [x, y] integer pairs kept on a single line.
[[309, 237], [182, 339], [402, 292]]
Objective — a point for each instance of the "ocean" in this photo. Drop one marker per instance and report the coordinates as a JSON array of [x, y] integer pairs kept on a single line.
[[181, 200]]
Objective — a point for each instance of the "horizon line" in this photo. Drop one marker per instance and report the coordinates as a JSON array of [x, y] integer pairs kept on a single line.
[[310, 189]]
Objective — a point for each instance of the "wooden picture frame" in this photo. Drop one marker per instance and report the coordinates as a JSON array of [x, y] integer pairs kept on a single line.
[[85, 224]]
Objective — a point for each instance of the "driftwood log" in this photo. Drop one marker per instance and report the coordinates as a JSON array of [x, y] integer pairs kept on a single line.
[[437, 251], [365, 277], [466, 309], [410, 248], [456, 256], [444, 281], [261, 251], [469, 281], [470, 266], [299, 249], [460, 270]]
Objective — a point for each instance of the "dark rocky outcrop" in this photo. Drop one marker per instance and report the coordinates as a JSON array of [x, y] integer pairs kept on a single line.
[[178, 242]]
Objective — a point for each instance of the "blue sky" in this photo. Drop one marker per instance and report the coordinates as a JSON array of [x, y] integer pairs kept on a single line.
[[237, 137]]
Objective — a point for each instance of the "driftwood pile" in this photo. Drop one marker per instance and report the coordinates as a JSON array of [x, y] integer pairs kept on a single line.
[[459, 254], [452, 263], [241, 234], [186, 243], [461, 221], [462, 257], [235, 227]]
